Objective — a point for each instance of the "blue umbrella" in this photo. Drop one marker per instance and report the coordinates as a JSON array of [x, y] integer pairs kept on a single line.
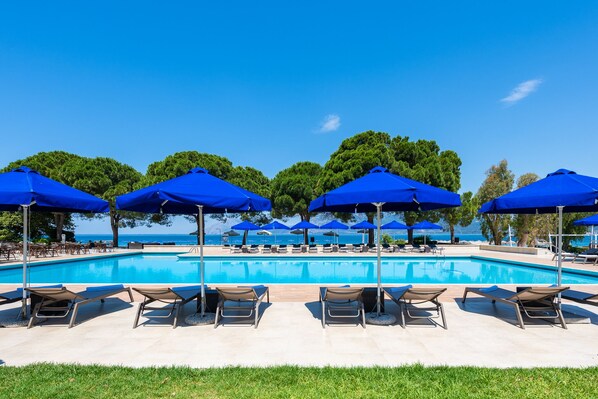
[[245, 225], [425, 225], [334, 225], [561, 191], [380, 188], [363, 225], [589, 221], [394, 225], [275, 225], [24, 188], [196, 192], [304, 225]]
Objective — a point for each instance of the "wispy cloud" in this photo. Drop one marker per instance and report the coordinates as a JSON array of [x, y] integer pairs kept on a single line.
[[522, 90], [330, 123]]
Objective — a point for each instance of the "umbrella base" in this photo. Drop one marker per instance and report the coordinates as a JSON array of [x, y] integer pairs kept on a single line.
[[14, 322], [198, 320], [382, 319]]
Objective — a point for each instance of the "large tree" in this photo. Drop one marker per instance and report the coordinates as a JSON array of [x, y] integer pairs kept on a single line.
[[525, 225], [420, 160], [462, 215], [293, 189], [499, 181], [107, 179]]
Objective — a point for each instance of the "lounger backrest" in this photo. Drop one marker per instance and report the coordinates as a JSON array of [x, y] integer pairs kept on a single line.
[[343, 294], [539, 293], [55, 294], [159, 294], [423, 294], [237, 293]]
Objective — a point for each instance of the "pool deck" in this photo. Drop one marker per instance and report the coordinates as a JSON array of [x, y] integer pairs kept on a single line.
[[290, 332]]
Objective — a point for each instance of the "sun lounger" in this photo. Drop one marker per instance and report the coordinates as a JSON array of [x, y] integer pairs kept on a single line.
[[282, 249], [313, 249], [535, 302], [17, 295], [342, 248], [408, 299], [53, 299], [254, 249], [357, 248], [297, 249], [589, 256], [327, 248], [436, 249], [342, 302], [387, 248], [416, 248], [267, 249], [174, 299], [581, 297], [236, 249], [243, 302]]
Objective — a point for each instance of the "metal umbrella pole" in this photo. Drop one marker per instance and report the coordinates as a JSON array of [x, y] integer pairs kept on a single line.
[[24, 308]]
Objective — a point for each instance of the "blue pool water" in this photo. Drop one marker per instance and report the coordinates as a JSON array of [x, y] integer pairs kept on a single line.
[[290, 270]]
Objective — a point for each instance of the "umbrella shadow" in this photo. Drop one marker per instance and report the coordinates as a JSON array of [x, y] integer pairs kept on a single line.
[[315, 308], [88, 312], [238, 318]]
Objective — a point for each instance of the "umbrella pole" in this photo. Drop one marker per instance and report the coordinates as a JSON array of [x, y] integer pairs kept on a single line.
[[24, 309], [201, 265], [379, 256], [560, 248]]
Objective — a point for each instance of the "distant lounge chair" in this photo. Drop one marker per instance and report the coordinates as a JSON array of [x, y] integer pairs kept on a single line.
[[416, 248], [246, 301], [401, 248], [267, 249], [17, 294], [387, 248], [535, 302], [53, 300], [434, 248], [236, 249], [282, 249], [175, 299], [357, 248], [254, 249], [327, 248], [589, 256], [408, 298], [313, 249], [342, 248], [297, 249], [581, 297], [342, 302]]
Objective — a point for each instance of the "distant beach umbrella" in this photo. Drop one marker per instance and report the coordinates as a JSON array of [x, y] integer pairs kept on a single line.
[[331, 234], [304, 225], [27, 190], [560, 191], [394, 225], [196, 192], [245, 225], [589, 221], [425, 225], [264, 233], [363, 225], [297, 231], [231, 233], [334, 225], [275, 225], [381, 189]]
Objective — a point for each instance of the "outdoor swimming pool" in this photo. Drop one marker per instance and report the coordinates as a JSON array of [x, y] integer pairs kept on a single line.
[[143, 269]]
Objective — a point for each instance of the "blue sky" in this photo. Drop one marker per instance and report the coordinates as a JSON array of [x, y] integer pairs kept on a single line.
[[268, 84]]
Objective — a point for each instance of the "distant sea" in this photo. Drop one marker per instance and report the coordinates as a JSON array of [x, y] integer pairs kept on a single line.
[[216, 239], [284, 238]]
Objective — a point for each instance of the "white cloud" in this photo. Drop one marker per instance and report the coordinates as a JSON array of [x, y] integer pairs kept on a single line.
[[330, 123], [522, 90]]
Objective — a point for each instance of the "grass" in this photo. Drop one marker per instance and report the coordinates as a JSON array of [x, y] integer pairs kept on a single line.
[[71, 381]]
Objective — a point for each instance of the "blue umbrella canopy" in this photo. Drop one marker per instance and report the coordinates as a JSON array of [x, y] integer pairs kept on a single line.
[[334, 225], [560, 191], [425, 225], [589, 221], [304, 224], [363, 225], [245, 226], [380, 186], [25, 186], [394, 225], [275, 225], [183, 194], [577, 193]]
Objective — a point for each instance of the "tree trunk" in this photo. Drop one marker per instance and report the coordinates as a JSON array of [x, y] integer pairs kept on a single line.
[[114, 220], [522, 241], [410, 236], [305, 233], [452, 230], [59, 220], [245, 234], [371, 240]]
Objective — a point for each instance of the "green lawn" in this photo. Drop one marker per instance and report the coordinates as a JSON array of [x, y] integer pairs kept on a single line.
[[68, 381]]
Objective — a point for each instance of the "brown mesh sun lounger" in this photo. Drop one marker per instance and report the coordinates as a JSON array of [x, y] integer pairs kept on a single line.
[[241, 302], [581, 297], [535, 302], [17, 295], [408, 299], [53, 301], [174, 299], [342, 302]]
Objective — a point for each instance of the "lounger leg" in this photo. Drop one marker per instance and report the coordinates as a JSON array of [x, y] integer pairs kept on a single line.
[[74, 315], [176, 315], [217, 314], [561, 318], [139, 311], [257, 309], [362, 316], [443, 317], [130, 294], [464, 295], [323, 314], [519, 317], [33, 319], [402, 310]]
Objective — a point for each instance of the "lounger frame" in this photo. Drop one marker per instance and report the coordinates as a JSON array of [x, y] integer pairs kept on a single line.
[[245, 299], [173, 300], [410, 300], [342, 299]]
